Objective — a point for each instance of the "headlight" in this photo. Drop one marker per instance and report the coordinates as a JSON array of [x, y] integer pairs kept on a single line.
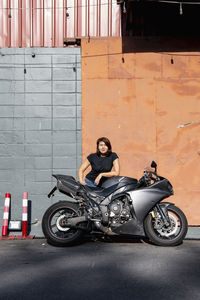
[[170, 188]]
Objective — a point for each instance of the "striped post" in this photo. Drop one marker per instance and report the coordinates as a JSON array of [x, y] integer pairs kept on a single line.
[[6, 214], [25, 214]]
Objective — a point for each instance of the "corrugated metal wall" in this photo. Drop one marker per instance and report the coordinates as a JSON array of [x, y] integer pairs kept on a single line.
[[46, 23]]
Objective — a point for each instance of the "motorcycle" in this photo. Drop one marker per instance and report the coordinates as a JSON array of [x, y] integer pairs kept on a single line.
[[121, 206]]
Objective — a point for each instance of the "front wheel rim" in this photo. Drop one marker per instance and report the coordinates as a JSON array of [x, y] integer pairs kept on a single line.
[[171, 232]]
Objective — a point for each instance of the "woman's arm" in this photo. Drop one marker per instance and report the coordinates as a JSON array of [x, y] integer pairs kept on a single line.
[[81, 170], [114, 172]]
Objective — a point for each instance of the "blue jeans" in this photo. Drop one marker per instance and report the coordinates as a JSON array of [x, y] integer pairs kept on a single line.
[[90, 183]]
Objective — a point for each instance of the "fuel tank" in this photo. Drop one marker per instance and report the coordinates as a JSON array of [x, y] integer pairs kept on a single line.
[[119, 181]]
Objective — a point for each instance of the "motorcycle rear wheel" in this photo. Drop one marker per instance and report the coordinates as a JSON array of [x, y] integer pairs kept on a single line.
[[161, 235], [52, 224]]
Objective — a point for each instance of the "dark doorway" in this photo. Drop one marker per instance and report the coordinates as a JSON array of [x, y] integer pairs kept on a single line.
[[161, 26]]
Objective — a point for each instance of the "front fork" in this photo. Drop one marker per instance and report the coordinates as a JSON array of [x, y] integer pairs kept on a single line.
[[162, 209]]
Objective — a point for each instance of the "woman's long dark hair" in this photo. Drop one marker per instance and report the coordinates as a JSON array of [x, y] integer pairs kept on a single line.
[[107, 143]]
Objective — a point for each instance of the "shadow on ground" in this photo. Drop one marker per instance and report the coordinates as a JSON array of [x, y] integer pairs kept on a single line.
[[99, 269]]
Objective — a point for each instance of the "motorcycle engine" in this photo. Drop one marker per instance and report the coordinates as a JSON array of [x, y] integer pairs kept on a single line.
[[119, 212]]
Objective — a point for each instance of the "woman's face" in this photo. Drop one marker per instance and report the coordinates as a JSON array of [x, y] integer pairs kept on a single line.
[[103, 148]]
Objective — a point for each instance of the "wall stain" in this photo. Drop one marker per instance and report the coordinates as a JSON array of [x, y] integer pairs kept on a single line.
[[153, 67]]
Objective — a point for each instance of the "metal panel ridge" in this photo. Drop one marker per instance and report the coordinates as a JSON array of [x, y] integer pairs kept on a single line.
[[47, 23]]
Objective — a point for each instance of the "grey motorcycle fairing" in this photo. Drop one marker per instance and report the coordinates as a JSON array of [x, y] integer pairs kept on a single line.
[[143, 201]]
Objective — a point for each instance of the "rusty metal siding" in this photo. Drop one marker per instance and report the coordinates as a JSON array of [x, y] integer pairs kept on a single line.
[[46, 23], [150, 110]]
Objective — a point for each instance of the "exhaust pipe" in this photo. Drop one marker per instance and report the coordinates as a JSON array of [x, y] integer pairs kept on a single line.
[[106, 230]]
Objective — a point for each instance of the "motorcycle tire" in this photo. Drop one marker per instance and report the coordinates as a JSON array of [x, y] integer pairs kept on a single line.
[[55, 234], [163, 237]]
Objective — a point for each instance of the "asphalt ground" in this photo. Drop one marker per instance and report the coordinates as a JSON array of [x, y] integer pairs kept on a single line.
[[99, 269]]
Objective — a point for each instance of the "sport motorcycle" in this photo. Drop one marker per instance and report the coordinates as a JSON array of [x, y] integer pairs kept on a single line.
[[121, 206]]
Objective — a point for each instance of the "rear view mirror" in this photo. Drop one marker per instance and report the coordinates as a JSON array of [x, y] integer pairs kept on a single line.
[[153, 164]]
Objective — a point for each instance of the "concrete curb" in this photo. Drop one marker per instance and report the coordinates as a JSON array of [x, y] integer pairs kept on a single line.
[[193, 233]]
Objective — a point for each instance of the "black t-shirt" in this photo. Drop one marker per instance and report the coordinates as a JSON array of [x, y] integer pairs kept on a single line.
[[100, 164]]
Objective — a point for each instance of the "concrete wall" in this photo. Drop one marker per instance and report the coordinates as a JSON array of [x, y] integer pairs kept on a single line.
[[139, 101], [40, 124]]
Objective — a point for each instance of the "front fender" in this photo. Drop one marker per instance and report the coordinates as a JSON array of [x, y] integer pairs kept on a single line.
[[164, 205]]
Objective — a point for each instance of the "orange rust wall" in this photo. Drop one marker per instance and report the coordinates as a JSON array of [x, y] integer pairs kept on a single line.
[[139, 104]]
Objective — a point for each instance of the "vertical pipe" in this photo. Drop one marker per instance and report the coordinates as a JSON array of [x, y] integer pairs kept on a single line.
[[77, 17], [64, 13], [88, 17], [66, 24], [52, 23], [74, 17], [99, 17], [43, 24], [31, 8], [23, 28], [2, 16], [108, 17], [9, 23], [111, 18], [97, 24], [6, 214], [54, 14], [25, 215], [20, 23]]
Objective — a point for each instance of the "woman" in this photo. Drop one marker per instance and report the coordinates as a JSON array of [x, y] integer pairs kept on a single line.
[[104, 164]]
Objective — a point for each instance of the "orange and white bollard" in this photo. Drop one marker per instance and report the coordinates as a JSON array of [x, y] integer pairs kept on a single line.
[[6, 214], [25, 215]]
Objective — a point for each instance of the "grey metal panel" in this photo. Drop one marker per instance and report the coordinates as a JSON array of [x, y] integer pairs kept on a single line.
[[51, 51], [64, 86], [64, 59], [65, 99], [64, 124], [64, 111], [64, 73], [39, 86], [38, 99], [40, 124], [11, 98]]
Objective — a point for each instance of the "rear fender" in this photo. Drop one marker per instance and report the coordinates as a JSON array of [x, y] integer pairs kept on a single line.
[[52, 192]]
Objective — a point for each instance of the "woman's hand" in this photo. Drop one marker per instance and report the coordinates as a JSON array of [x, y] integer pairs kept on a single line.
[[82, 182], [98, 178], [115, 172]]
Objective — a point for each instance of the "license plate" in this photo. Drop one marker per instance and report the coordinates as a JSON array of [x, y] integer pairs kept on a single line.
[[15, 225]]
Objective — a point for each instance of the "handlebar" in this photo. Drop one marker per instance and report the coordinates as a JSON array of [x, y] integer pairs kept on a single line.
[[150, 175]]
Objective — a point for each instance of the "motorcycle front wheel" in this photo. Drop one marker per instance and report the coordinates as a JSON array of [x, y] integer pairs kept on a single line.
[[53, 224], [163, 235]]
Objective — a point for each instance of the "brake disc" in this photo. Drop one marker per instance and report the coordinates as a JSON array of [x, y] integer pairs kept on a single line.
[[168, 231]]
